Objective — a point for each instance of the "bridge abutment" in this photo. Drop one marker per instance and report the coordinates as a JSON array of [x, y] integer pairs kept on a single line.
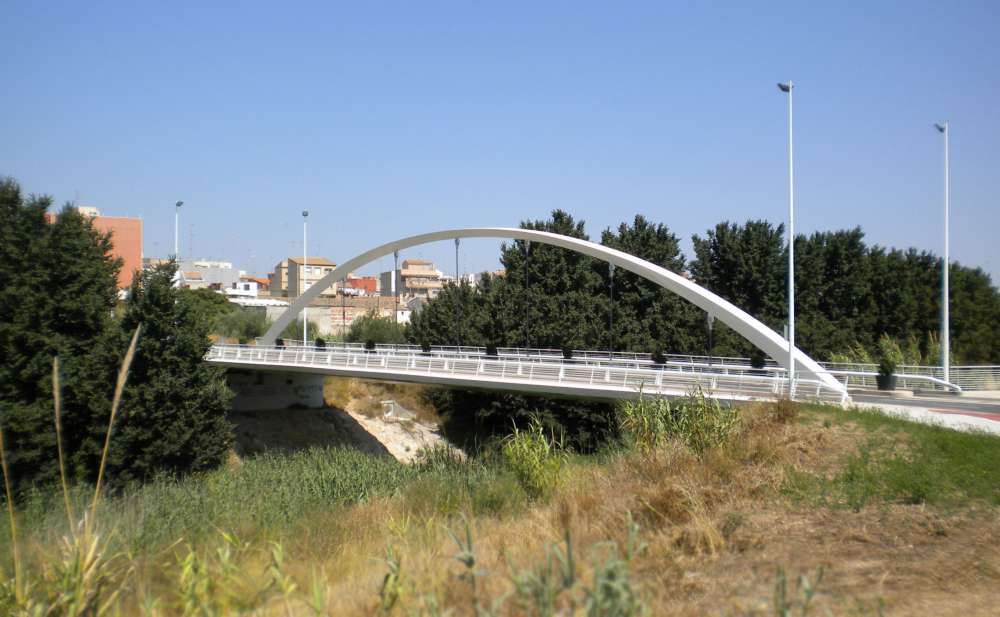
[[258, 390]]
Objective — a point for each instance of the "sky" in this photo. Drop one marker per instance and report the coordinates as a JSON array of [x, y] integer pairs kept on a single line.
[[390, 119]]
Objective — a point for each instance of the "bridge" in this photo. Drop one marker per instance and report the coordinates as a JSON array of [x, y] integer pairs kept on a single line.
[[539, 373], [531, 372]]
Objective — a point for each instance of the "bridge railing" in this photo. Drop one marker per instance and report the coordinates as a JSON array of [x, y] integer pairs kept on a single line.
[[512, 369], [854, 375]]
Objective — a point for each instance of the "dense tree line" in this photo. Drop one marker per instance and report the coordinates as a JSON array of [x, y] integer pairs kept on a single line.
[[848, 296], [58, 297]]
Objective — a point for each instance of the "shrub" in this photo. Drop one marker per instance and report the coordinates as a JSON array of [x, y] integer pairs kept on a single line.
[[293, 331], [889, 358], [537, 460], [373, 327], [242, 324], [472, 418]]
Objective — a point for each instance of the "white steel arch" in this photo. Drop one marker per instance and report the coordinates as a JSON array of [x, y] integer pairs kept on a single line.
[[761, 336]]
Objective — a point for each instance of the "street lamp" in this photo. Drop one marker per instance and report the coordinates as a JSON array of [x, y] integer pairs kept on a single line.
[[302, 279], [787, 88], [945, 267], [458, 295], [177, 223], [611, 311]]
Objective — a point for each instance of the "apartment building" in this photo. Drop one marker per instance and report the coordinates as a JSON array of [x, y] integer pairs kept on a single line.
[[126, 240], [304, 272], [416, 277], [279, 279]]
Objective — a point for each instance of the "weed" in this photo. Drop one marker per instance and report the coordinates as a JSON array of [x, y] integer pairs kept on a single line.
[[805, 589], [392, 586], [538, 589], [536, 459], [698, 421]]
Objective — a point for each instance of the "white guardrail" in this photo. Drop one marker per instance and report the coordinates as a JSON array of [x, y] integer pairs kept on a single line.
[[853, 375], [471, 367]]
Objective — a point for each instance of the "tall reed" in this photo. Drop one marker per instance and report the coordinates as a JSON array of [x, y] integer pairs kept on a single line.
[[81, 581], [115, 402], [18, 590], [57, 399]]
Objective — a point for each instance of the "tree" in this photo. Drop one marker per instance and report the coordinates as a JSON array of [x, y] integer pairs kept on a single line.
[[373, 327], [293, 331], [975, 316], [58, 290], [243, 324], [173, 414], [833, 298], [647, 316], [746, 265]]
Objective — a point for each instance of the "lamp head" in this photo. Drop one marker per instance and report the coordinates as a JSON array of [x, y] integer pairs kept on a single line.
[[941, 127], [785, 87], [305, 213], [179, 204]]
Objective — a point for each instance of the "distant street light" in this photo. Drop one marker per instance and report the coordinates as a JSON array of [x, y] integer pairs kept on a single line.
[[343, 309], [177, 223], [395, 288], [302, 279], [611, 311], [527, 297], [710, 319], [787, 88], [945, 266], [458, 283]]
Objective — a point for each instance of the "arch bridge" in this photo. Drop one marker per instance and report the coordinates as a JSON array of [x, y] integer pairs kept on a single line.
[[544, 375]]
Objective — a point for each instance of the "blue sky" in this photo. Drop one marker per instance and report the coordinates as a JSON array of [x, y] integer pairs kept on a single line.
[[387, 119]]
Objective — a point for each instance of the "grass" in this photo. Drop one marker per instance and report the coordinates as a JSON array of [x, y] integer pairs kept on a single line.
[[689, 515], [905, 462]]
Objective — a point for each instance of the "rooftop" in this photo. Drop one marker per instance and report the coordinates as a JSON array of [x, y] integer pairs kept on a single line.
[[312, 261]]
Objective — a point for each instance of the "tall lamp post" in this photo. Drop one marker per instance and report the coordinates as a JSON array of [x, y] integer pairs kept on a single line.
[[611, 311], [458, 296], [787, 88], [945, 267], [303, 278], [177, 233]]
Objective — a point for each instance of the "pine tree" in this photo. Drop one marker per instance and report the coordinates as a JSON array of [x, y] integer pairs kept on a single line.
[[173, 415], [57, 294], [648, 317]]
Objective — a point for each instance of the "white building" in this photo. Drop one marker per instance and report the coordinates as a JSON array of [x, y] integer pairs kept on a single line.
[[243, 288]]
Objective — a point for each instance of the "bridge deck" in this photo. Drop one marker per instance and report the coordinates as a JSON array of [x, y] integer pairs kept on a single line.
[[590, 377]]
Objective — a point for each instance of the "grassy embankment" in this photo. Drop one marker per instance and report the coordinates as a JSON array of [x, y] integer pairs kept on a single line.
[[698, 511]]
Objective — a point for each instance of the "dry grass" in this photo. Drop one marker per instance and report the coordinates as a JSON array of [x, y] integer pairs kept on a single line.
[[690, 533]]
